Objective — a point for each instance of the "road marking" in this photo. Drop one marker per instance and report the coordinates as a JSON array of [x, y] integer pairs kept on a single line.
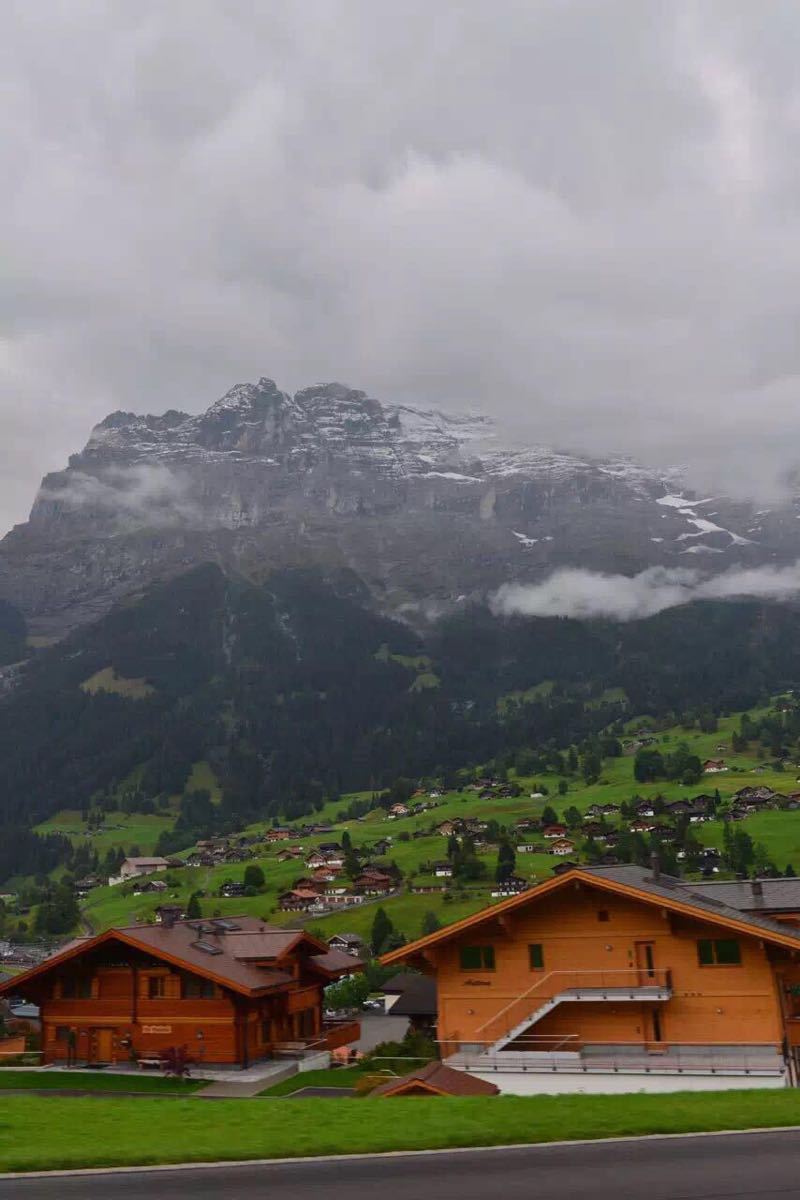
[[149, 1168]]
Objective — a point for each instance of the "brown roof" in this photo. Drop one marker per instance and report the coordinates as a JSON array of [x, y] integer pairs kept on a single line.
[[221, 949], [439, 1080]]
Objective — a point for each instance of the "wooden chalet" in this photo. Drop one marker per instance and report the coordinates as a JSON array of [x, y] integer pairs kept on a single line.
[[229, 990]]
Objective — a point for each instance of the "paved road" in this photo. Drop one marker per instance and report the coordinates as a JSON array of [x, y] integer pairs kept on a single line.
[[752, 1166]]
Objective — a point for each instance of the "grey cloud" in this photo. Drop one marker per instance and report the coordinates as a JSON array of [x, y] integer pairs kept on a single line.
[[587, 594], [143, 494], [582, 218]]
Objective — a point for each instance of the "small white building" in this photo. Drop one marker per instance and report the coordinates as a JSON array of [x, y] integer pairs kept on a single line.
[[132, 868]]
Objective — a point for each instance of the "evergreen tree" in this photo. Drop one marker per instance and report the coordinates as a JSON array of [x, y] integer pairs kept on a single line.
[[382, 930], [506, 862], [430, 923], [254, 876], [193, 910]]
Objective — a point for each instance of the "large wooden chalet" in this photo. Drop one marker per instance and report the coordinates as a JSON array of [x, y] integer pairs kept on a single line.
[[230, 991]]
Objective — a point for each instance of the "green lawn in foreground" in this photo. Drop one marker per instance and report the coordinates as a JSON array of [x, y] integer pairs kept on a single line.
[[55, 1132], [94, 1081], [335, 1077]]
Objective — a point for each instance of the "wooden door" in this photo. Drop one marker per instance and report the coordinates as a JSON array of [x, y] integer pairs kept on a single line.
[[646, 962], [103, 1044]]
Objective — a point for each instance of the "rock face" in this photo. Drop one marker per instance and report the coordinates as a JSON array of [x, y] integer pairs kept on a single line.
[[423, 506]]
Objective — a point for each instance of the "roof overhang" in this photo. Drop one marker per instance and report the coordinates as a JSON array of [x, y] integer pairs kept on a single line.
[[600, 883]]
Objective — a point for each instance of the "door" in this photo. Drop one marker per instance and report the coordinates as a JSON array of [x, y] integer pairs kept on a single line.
[[103, 1044], [646, 962]]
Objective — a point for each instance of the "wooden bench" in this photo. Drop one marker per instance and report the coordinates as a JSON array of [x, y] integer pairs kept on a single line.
[[149, 1064]]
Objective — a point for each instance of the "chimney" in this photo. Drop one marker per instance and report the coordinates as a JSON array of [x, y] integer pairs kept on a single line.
[[655, 865], [757, 887], [169, 914]]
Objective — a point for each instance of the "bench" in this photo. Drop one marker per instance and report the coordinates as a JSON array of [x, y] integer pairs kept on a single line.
[[149, 1064]]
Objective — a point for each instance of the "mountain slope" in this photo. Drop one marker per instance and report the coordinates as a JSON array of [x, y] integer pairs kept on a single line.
[[424, 507]]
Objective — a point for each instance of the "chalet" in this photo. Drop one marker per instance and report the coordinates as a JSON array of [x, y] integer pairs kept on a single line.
[[348, 943], [277, 835], [528, 848], [642, 825], [85, 885], [298, 900], [443, 870], [714, 766], [594, 810], [698, 816], [679, 808], [562, 846], [554, 831], [315, 860], [526, 823], [645, 809], [166, 913], [594, 829], [148, 886], [232, 991], [288, 855], [232, 889], [510, 887], [133, 867], [398, 810], [374, 883], [331, 849], [621, 978], [610, 810], [446, 828]]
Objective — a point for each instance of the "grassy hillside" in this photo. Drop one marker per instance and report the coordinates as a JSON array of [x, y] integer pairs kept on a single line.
[[779, 831]]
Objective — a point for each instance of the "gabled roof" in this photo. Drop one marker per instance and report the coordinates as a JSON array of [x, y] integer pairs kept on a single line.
[[632, 881], [439, 1080], [235, 952]]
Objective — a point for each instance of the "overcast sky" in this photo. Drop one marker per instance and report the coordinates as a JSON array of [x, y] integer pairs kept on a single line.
[[583, 217]]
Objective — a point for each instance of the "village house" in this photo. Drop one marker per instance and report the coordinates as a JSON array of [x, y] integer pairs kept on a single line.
[[278, 835], [133, 867], [298, 900], [562, 846], [642, 825], [443, 870], [232, 991], [148, 886], [554, 831], [398, 810], [714, 766], [349, 943], [621, 979]]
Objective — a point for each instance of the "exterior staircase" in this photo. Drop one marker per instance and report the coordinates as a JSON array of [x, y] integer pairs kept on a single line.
[[559, 987], [570, 995]]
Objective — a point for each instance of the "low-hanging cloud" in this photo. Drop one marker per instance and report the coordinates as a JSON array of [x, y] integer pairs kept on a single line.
[[142, 494], [584, 595]]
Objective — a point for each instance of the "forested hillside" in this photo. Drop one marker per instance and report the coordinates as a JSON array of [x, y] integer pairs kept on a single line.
[[297, 691]]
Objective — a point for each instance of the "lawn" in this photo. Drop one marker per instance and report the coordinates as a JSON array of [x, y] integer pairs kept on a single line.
[[334, 1077], [93, 1081], [38, 1133]]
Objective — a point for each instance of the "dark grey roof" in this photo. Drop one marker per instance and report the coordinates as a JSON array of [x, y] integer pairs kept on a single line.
[[778, 895], [418, 999], [667, 887]]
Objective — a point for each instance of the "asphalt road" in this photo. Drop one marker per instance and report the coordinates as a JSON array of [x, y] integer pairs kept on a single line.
[[707, 1168]]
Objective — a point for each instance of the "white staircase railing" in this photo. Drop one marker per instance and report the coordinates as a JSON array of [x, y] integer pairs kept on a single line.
[[523, 1008]]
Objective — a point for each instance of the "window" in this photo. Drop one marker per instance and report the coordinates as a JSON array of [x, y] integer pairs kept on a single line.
[[76, 987], [266, 1031], [603, 915], [155, 987], [195, 988], [719, 952], [62, 1033], [536, 957], [477, 958]]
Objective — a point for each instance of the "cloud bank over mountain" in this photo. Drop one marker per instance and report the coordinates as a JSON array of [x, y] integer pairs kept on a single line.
[[586, 594], [580, 218]]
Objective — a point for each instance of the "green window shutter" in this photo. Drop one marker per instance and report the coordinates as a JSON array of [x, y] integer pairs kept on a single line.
[[705, 952], [536, 956], [728, 952], [488, 958], [471, 958]]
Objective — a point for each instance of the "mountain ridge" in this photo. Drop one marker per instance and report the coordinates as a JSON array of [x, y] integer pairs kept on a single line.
[[425, 507]]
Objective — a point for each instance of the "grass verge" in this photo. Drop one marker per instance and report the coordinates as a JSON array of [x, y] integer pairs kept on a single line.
[[336, 1077], [94, 1081], [38, 1133]]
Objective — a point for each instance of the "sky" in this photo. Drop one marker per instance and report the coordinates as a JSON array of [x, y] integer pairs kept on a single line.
[[582, 218]]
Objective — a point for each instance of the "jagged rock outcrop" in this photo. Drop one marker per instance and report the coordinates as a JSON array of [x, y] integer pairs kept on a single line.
[[424, 506]]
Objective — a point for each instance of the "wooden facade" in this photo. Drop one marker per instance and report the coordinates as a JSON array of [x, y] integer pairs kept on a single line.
[[614, 958], [231, 991]]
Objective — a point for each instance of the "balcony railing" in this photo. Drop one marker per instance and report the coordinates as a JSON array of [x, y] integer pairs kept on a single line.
[[570, 1054]]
